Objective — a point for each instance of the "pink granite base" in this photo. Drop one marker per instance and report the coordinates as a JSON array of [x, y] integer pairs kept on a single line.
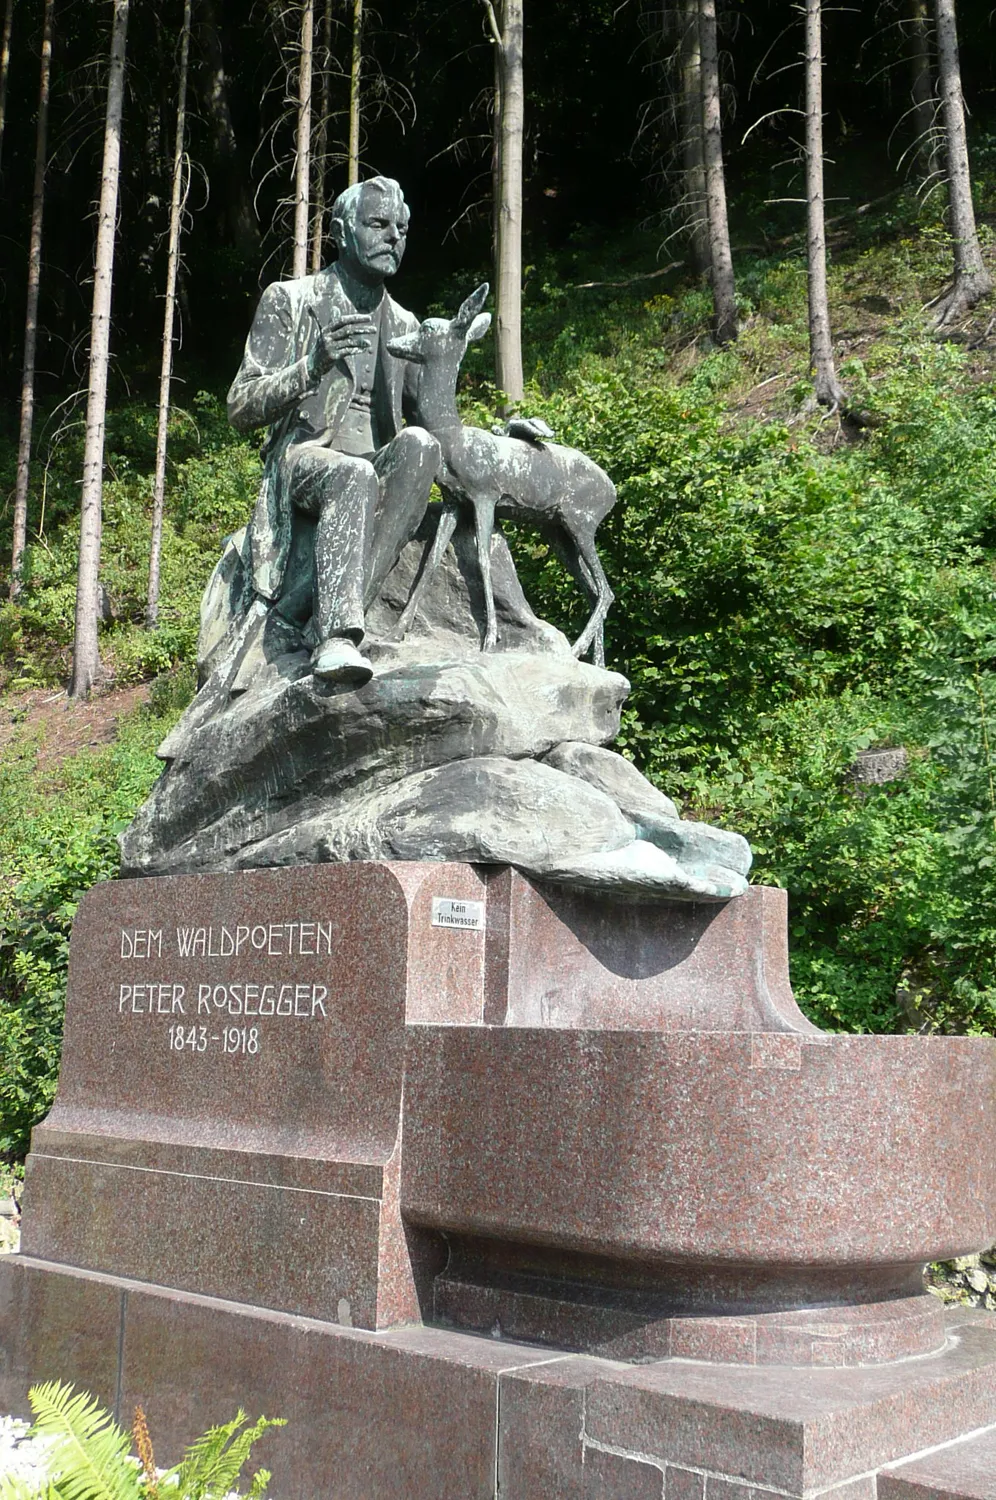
[[956, 1471], [486, 1186], [415, 1412], [597, 1127], [633, 1323], [734, 1197]]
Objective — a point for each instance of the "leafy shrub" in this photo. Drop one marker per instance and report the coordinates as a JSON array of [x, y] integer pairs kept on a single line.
[[86, 1455], [57, 839], [779, 608], [212, 482]]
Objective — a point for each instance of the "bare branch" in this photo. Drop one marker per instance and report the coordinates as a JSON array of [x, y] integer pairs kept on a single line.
[[493, 26]]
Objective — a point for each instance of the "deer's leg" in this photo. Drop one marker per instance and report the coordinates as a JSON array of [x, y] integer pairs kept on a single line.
[[484, 525], [565, 541], [590, 566], [440, 542]]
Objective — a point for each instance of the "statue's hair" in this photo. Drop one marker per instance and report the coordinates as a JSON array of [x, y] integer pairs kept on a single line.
[[346, 206]]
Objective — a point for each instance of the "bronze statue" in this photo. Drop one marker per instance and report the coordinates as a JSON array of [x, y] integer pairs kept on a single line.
[[345, 484], [480, 736], [511, 473]]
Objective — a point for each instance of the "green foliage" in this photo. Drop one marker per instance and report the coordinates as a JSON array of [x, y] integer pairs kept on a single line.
[[57, 839], [89, 1457], [782, 606], [212, 481], [211, 1467]]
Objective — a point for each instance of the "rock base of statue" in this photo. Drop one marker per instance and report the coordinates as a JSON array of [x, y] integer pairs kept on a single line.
[[488, 1186], [449, 753]]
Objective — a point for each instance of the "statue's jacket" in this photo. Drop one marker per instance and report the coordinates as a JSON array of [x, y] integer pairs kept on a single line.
[[274, 387]]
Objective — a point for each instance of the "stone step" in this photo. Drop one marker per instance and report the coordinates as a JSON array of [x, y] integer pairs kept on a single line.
[[963, 1471]]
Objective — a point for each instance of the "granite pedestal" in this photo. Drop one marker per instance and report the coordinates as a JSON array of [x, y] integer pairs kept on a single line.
[[490, 1188]]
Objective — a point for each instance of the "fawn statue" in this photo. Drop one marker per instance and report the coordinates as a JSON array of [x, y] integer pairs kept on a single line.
[[561, 490]]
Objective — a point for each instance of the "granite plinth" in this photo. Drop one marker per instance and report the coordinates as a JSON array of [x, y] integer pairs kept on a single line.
[[380, 1094], [560, 958], [958, 1471], [228, 1117], [490, 1187], [762, 1198], [421, 1411]]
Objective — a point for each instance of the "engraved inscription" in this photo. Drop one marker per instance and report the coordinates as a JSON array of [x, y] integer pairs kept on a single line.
[[198, 1039], [141, 942], [201, 1011], [301, 1000], [274, 939]]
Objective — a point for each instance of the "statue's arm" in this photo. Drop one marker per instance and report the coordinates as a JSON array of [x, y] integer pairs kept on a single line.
[[271, 377]]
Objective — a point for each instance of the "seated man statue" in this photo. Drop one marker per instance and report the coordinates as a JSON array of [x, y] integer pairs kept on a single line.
[[345, 484]]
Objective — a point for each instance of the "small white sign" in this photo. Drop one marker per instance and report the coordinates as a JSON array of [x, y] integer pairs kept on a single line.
[[449, 913]]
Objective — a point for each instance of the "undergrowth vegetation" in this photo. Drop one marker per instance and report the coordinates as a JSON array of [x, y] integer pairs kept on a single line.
[[790, 591], [58, 830], [74, 1450]]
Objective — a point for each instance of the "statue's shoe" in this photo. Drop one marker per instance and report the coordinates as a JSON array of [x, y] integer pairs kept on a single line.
[[339, 661]]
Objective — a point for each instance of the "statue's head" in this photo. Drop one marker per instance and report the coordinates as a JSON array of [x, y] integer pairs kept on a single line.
[[370, 226]]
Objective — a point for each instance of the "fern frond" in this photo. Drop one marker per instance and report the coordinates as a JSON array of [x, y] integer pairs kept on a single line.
[[211, 1466], [88, 1459], [260, 1481], [16, 1487], [19, 1487]]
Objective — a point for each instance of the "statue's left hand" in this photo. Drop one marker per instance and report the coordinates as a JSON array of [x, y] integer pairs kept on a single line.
[[352, 334]]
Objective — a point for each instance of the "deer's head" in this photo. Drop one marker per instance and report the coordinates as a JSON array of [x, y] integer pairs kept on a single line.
[[441, 340]]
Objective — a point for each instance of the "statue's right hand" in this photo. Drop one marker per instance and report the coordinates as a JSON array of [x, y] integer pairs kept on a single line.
[[352, 334]]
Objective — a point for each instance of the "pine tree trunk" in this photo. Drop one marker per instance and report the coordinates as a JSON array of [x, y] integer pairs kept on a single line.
[[355, 78], [508, 36], [924, 101], [302, 182], [31, 312], [827, 386], [8, 26], [321, 144], [972, 281], [495, 143], [86, 655], [720, 254], [177, 199], [693, 159]]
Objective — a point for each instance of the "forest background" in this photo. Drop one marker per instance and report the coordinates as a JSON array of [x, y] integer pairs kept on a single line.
[[796, 583]]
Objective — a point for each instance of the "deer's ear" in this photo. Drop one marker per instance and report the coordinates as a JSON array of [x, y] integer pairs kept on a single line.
[[479, 327], [472, 306]]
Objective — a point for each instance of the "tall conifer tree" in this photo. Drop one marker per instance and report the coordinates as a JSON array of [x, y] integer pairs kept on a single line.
[[177, 197], [31, 306], [972, 280], [507, 25], [86, 652], [302, 174], [827, 386], [720, 253]]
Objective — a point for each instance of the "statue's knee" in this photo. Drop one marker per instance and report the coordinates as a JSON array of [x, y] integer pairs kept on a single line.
[[422, 444], [347, 478], [359, 471]]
